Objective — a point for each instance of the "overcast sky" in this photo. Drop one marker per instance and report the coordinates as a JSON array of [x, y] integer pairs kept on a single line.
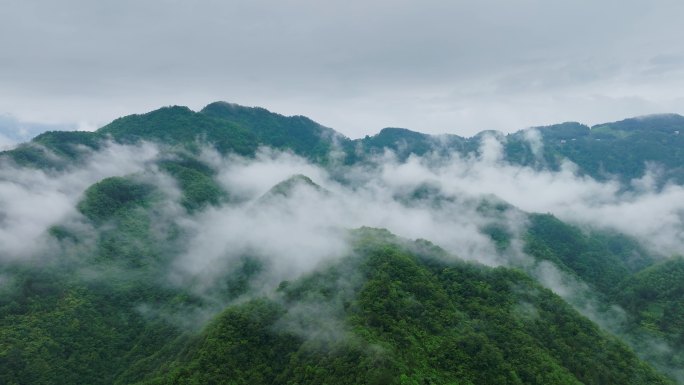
[[356, 66]]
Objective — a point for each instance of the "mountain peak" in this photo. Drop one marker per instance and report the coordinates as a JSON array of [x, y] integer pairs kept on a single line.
[[564, 131], [222, 108], [285, 187], [397, 131]]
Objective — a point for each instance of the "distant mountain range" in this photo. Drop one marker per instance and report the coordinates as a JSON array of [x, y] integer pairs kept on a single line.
[[234, 245], [610, 150]]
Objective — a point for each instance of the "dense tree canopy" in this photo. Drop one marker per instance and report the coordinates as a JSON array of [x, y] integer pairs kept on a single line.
[[99, 306]]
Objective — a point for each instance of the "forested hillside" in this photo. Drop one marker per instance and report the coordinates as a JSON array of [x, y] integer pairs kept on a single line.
[[623, 149], [235, 245]]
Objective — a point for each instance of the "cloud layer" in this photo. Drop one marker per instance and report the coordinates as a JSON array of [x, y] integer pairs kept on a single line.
[[431, 197], [297, 230], [434, 197], [32, 200]]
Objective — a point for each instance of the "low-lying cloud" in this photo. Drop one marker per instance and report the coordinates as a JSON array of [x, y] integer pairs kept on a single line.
[[33, 200], [445, 199], [434, 197]]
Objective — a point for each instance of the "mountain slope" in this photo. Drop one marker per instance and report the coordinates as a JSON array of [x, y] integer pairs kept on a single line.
[[620, 149], [299, 134], [603, 260], [406, 318], [623, 148], [106, 300]]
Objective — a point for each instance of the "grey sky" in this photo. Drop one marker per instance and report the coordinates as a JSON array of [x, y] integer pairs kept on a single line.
[[356, 66]]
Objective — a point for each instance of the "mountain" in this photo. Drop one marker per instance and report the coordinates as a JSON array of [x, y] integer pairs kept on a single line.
[[287, 187], [390, 312], [407, 318], [229, 128], [172, 247], [621, 149], [654, 298]]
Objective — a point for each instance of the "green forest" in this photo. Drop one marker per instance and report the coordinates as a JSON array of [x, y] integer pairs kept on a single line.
[[104, 302]]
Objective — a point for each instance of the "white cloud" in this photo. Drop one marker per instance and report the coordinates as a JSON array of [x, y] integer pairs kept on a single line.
[[296, 233], [32, 200]]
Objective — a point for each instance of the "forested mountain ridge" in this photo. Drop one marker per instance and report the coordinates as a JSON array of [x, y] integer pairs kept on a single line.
[[230, 245], [619, 149]]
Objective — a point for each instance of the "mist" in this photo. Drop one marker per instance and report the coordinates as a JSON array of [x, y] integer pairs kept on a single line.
[[433, 197], [32, 200], [297, 228]]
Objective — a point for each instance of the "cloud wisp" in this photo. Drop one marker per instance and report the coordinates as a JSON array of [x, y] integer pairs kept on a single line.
[[431, 197], [299, 227], [434, 197], [33, 200]]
